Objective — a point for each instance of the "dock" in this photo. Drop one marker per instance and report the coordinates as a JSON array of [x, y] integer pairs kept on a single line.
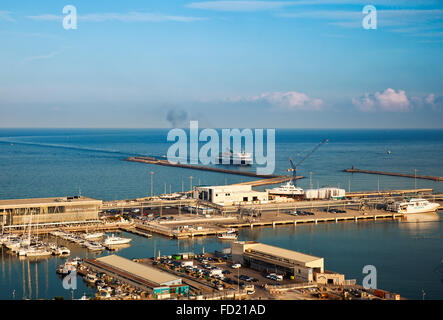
[[161, 162], [135, 230], [395, 174], [316, 220]]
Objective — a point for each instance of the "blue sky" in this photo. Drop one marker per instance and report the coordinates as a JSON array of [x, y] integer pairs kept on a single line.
[[291, 64]]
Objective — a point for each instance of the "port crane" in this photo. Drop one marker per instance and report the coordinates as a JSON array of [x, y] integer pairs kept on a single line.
[[294, 167]]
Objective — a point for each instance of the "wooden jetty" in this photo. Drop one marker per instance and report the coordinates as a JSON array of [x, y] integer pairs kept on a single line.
[[161, 162], [395, 174]]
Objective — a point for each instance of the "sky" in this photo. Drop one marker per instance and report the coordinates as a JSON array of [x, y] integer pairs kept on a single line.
[[227, 64]]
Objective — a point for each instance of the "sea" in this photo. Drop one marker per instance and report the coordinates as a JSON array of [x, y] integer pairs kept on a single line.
[[408, 255]]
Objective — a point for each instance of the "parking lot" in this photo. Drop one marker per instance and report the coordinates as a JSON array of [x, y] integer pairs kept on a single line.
[[215, 274]]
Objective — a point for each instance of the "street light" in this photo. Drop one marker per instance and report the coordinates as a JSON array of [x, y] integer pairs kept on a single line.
[[152, 175], [415, 180], [190, 181]]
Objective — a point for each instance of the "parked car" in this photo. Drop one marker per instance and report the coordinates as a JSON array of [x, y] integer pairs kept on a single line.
[[236, 266]]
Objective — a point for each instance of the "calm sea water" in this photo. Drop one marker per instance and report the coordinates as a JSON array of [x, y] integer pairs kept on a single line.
[[407, 255]]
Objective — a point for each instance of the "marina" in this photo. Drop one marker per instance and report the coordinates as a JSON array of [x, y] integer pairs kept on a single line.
[[183, 222]]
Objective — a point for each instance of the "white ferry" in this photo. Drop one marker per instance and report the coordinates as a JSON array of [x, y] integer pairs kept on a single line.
[[414, 206], [287, 189], [235, 158]]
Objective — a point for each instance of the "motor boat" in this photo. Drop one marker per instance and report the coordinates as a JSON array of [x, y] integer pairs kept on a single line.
[[114, 240], [94, 246], [93, 236]]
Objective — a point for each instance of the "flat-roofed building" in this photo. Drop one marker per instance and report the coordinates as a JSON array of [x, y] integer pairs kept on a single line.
[[230, 195], [138, 275], [273, 259], [16, 212]]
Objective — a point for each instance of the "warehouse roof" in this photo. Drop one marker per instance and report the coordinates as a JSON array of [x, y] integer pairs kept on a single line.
[[280, 252], [140, 270], [18, 203]]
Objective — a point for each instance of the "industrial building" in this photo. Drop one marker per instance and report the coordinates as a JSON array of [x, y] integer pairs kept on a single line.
[[138, 275], [268, 258], [230, 195], [16, 212]]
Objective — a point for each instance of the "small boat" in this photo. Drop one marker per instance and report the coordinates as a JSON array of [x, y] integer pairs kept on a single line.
[[66, 268], [37, 251], [91, 278], [228, 236], [92, 236], [113, 240], [414, 206], [62, 251], [94, 246]]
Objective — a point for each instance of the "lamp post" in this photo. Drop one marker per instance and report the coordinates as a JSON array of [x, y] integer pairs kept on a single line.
[[310, 179], [190, 182], [415, 180], [152, 177]]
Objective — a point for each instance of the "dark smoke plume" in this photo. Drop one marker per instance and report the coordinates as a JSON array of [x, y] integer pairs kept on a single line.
[[177, 117]]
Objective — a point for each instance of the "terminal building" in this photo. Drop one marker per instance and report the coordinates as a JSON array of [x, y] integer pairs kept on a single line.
[[272, 259], [20, 212], [230, 195], [292, 264], [159, 283]]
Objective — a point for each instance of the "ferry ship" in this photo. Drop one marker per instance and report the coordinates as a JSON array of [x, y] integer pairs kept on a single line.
[[414, 206], [235, 158], [287, 189]]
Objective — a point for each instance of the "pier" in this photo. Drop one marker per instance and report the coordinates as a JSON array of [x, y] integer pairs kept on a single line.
[[395, 174], [331, 218], [155, 161]]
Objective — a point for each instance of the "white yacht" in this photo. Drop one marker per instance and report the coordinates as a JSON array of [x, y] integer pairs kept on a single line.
[[113, 240], [93, 236], [236, 158], [287, 189], [35, 251], [414, 206], [94, 246], [63, 251]]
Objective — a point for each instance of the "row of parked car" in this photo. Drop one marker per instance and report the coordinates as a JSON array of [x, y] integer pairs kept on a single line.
[[302, 213], [333, 210]]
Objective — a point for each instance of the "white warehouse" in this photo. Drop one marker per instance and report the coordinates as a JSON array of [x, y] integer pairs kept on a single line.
[[230, 195]]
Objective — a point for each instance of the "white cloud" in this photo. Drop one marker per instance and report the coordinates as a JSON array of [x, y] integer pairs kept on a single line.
[[6, 16], [389, 100], [240, 5], [122, 17], [41, 57], [290, 100], [436, 103]]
